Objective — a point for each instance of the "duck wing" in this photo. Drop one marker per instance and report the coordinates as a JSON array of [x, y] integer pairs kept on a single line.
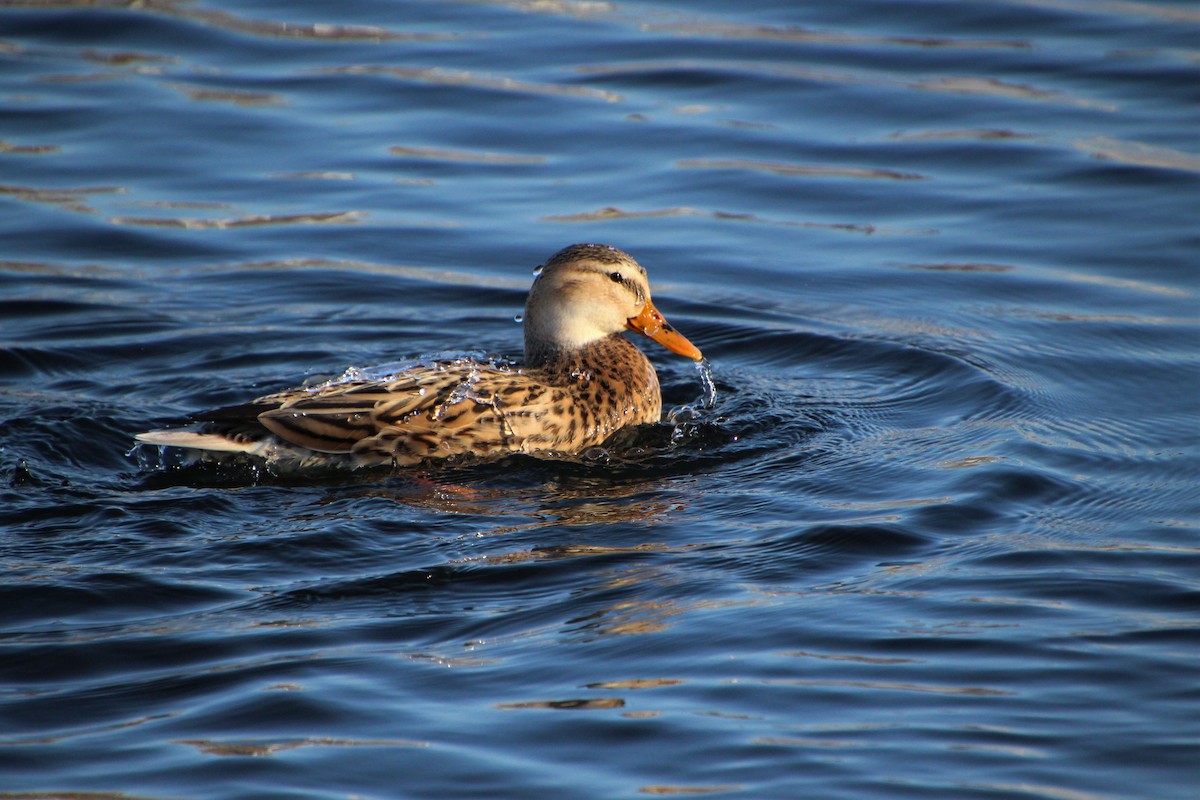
[[425, 413], [333, 419], [440, 410]]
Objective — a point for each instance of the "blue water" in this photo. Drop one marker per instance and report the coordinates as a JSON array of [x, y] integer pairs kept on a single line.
[[938, 535]]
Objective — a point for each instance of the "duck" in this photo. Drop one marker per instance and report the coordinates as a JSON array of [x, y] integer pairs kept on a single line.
[[580, 381]]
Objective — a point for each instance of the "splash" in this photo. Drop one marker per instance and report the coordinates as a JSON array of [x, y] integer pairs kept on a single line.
[[696, 410], [466, 390], [392, 370], [461, 392], [709, 399]]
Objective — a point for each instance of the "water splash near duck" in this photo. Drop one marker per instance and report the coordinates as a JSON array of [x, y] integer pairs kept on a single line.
[[704, 369]]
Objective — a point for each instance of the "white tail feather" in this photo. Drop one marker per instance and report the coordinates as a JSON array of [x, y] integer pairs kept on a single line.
[[198, 441]]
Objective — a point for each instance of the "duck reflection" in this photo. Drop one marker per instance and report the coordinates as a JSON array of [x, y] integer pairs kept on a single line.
[[565, 508], [571, 502]]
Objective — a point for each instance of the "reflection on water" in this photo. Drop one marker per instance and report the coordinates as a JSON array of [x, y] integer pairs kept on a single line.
[[551, 505], [261, 749], [437, 76]]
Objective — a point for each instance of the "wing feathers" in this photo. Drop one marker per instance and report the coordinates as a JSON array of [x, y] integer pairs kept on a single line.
[[434, 412]]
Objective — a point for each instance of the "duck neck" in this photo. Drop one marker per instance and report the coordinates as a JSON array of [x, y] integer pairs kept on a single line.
[[614, 354], [546, 356]]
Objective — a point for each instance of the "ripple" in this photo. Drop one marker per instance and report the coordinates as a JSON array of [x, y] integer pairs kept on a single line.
[[684, 789], [612, 213], [445, 77], [256, 220], [439, 154], [1119, 8], [239, 24], [69, 199], [938, 517], [27, 149], [585, 704], [805, 36], [236, 97], [980, 134], [993, 87], [261, 749], [799, 170], [969, 691]]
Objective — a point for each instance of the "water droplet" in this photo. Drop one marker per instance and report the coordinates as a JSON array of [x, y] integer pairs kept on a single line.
[[683, 414], [538, 269], [519, 318], [595, 455], [708, 384]]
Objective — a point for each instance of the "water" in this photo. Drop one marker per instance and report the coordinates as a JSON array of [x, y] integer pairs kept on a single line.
[[934, 535]]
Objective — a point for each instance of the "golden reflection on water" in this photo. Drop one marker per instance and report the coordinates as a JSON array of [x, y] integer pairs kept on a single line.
[[770, 33], [584, 704], [443, 154], [611, 213], [557, 506], [439, 76], [889, 686], [678, 789], [555, 552], [980, 134], [643, 683], [237, 98], [68, 199], [552, 505], [994, 87], [849, 657], [1138, 154], [799, 170], [947, 84], [213, 747], [254, 220], [429, 275], [634, 617], [28, 149], [1131, 8]]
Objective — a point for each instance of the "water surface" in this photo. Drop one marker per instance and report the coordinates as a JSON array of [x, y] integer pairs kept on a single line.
[[937, 535]]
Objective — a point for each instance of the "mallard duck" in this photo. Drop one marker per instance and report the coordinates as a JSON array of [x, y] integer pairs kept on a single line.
[[581, 380]]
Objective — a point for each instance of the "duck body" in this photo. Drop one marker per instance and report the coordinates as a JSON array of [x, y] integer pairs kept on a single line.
[[581, 381]]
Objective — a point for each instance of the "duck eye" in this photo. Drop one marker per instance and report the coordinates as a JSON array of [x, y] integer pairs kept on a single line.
[[616, 277]]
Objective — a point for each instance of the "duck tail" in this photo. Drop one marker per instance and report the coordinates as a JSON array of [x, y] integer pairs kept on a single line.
[[196, 440]]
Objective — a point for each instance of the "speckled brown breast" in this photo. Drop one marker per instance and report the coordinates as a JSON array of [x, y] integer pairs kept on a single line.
[[593, 393]]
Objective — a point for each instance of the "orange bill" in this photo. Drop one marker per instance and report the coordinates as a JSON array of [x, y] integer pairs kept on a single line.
[[651, 323]]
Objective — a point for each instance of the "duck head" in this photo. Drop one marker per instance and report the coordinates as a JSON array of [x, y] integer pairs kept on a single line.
[[587, 292]]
